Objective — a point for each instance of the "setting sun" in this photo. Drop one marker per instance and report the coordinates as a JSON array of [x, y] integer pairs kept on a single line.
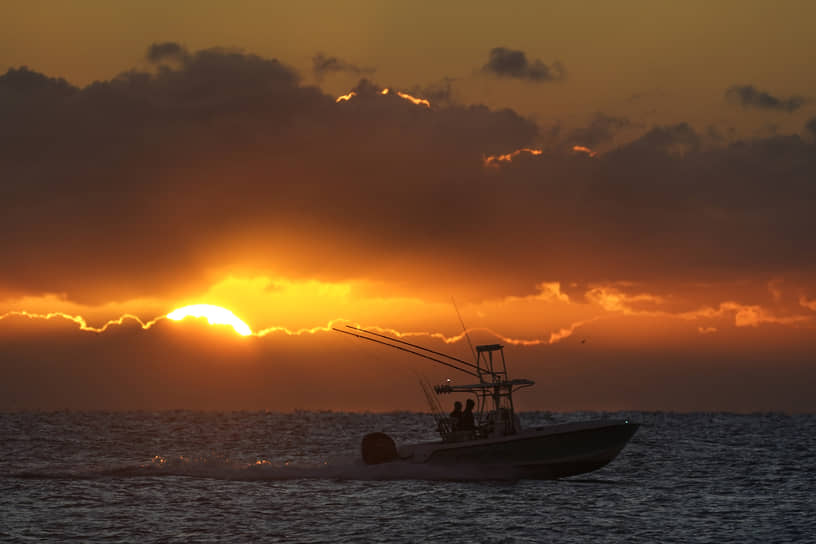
[[215, 315]]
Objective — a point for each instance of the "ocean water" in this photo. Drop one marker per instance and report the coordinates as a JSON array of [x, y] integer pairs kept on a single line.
[[185, 476]]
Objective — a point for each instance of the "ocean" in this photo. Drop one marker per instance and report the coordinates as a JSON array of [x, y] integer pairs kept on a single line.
[[184, 476]]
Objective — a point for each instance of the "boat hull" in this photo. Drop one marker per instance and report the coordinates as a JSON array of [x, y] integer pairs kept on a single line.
[[555, 451]]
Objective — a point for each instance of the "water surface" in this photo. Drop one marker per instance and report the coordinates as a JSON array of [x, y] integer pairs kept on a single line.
[[296, 477]]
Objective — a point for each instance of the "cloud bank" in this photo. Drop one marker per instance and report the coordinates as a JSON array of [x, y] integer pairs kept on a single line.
[[220, 161], [192, 366]]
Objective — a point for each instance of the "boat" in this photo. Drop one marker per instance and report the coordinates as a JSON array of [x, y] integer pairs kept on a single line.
[[496, 439]]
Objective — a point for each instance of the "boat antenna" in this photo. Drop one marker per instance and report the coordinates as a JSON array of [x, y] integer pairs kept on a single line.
[[464, 329], [451, 365], [415, 346]]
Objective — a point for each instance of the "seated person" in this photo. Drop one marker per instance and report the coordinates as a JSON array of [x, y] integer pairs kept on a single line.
[[466, 421], [456, 416]]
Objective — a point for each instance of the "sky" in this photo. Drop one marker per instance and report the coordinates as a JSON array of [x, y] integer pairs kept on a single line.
[[621, 194]]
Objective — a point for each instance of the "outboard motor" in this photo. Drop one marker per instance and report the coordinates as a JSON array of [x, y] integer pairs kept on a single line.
[[378, 448]]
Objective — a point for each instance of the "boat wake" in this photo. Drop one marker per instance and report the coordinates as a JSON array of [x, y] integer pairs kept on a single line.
[[220, 468]]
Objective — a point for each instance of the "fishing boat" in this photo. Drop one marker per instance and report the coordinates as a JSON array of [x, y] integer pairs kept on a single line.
[[496, 439]]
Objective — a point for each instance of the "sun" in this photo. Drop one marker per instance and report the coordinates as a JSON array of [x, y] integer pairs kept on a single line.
[[216, 315]]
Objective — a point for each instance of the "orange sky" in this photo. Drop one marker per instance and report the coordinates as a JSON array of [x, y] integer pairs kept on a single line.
[[675, 59], [622, 196]]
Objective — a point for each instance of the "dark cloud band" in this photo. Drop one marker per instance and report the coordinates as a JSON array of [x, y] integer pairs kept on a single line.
[[749, 96], [155, 182]]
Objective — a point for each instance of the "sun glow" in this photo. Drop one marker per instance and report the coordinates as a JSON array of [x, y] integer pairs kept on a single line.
[[279, 307], [495, 160], [282, 307], [585, 150], [79, 320], [413, 99], [385, 91], [215, 315], [345, 97]]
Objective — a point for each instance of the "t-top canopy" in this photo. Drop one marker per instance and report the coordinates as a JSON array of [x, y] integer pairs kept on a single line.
[[489, 347], [518, 383]]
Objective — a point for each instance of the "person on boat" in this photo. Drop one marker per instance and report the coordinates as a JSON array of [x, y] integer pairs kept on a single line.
[[456, 416], [466, 421]]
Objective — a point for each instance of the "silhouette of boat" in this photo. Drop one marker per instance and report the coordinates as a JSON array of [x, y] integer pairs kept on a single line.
[[497, 439]]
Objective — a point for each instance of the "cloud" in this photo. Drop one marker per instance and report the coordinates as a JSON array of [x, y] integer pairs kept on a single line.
[[153, 182], [161, 183], [323, 65], [158, 52], [667, 140], [23, 88], [810, 126], [805, 303], [749, 96], [440, 92], [601, 129], [510, 63]]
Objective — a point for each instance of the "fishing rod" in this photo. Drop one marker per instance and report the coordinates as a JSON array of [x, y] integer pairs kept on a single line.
[[471, 365], [407, 350]]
